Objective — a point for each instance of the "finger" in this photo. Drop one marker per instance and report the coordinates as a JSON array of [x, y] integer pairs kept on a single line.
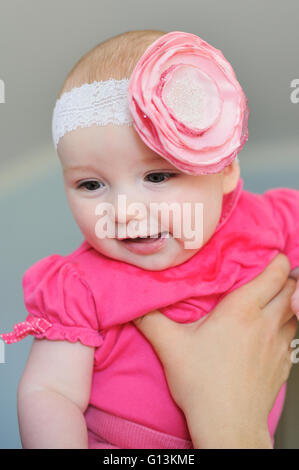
[[294, 273], [268, 283], [286, 368], [279, 308], [289, 331], [295, 300]]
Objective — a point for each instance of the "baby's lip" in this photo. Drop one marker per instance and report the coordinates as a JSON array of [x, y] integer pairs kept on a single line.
[[164, 233], [144, 236]]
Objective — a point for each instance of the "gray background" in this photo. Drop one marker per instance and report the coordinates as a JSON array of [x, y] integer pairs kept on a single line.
[[39, 44]]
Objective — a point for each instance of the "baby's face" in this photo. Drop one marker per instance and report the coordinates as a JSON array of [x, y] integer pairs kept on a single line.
[[111, 161]]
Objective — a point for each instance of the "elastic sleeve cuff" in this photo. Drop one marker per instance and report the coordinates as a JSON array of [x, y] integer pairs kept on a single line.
[[42, 328], [72, 334]]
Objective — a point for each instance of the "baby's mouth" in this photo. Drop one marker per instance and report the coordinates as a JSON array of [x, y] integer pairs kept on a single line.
[[147, 239], [148, 245]]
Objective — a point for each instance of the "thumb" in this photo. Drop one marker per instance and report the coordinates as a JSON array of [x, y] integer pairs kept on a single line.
[[161, 331]]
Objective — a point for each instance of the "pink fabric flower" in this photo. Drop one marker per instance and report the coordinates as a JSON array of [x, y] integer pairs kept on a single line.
[[187, 104]]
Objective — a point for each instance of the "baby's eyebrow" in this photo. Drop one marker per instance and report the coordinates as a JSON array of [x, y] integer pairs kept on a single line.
[[79, 167], [151, 158]]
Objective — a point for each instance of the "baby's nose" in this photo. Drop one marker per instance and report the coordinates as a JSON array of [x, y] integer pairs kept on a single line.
[[128, 208]]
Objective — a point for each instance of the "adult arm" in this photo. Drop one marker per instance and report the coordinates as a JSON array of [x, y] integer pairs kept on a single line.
[[226, 369]]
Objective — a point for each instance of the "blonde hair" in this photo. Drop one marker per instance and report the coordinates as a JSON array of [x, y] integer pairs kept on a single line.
[[114, 58]]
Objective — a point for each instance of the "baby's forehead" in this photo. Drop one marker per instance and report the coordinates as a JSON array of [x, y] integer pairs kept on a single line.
[[101, 134], [104, 144]]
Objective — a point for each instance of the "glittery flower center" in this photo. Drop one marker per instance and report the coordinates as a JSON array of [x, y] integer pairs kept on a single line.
[[192, 96]]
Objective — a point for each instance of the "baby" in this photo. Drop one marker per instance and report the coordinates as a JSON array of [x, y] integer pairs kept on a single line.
[[145, 119]]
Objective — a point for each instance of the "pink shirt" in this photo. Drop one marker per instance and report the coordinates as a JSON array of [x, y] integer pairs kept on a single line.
[[92, 298]]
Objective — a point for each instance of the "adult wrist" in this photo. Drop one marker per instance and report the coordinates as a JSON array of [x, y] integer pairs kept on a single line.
[[219, 435]]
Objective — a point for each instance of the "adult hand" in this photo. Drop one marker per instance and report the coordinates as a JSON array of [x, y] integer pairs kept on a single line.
[[227, 368]]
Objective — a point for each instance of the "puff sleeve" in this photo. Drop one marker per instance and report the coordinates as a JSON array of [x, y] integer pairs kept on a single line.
[[285, 205], [60, 305]]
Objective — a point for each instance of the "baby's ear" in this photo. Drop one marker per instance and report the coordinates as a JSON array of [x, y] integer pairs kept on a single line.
[[231, 175]]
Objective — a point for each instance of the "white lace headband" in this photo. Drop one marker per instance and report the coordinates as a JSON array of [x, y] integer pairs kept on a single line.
[[98, 103], [183, 99]]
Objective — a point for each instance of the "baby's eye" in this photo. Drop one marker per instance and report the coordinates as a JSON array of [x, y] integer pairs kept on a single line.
[[156, 177], [91, 185]]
